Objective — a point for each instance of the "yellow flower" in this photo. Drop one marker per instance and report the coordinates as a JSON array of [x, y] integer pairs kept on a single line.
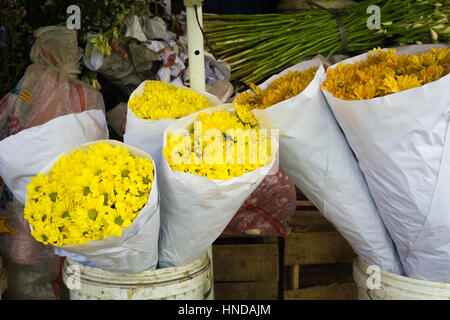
[[422, 61], [160, 100], [85, 193], [442, 55], [365, 91], [432, 73], [244, 113], [35, 187], [400, 83], [63, 209]]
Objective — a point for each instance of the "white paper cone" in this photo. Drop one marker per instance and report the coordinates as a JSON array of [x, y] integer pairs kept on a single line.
[[195, 209], [137, 249], [401, 143], [316, 157], [24, 154]]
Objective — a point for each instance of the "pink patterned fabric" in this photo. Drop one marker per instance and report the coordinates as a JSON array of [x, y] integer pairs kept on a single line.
[[267, 210]]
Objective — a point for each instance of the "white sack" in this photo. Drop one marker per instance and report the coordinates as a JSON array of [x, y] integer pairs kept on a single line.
[[316, 157], [143, 28], [148, 135], [402, 143], [137, 249], [195, 209], [24, 154]]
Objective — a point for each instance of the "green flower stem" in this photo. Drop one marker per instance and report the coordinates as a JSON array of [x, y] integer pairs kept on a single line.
[[256, 46]]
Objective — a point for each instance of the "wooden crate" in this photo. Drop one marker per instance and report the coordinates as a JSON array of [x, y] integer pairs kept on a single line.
[[316, 259], [344, 291], [313, 262], [246, 268]]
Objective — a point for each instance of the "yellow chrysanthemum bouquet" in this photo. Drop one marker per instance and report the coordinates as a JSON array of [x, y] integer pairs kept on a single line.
[[394, 108], [280, 89], [211, 163], [316, 157], [98, 202], [384, 72], [231, 148], [153, 106]]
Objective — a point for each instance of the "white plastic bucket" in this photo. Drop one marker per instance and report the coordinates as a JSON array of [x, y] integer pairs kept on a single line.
[[192, 281], [388, 286], [3, 280]]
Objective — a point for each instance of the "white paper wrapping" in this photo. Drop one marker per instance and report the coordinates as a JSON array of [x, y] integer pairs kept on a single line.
[[24, 154], [195, 209], [148, 135], [137, 249], [317, 158], [402, 143]]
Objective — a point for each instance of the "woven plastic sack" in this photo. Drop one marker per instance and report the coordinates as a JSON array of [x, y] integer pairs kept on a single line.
[[267, 210], [32, 268], [49, 87]]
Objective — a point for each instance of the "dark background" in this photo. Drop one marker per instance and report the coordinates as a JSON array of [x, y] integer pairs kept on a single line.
[[236, 6], [19, 18]]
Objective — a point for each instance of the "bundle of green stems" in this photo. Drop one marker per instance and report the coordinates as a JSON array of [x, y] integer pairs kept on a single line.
[[258, 46]]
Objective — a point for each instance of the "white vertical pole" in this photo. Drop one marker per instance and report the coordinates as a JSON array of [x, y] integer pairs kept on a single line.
[[195, 45], [168, 6]]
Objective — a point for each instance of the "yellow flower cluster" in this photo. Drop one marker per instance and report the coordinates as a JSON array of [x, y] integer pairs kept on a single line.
[[161, 100], [384, 73], [279, 90], [218, 146], [88, 195]]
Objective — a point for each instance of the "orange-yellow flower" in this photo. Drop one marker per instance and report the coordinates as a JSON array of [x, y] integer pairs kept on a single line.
[[283, 88]]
